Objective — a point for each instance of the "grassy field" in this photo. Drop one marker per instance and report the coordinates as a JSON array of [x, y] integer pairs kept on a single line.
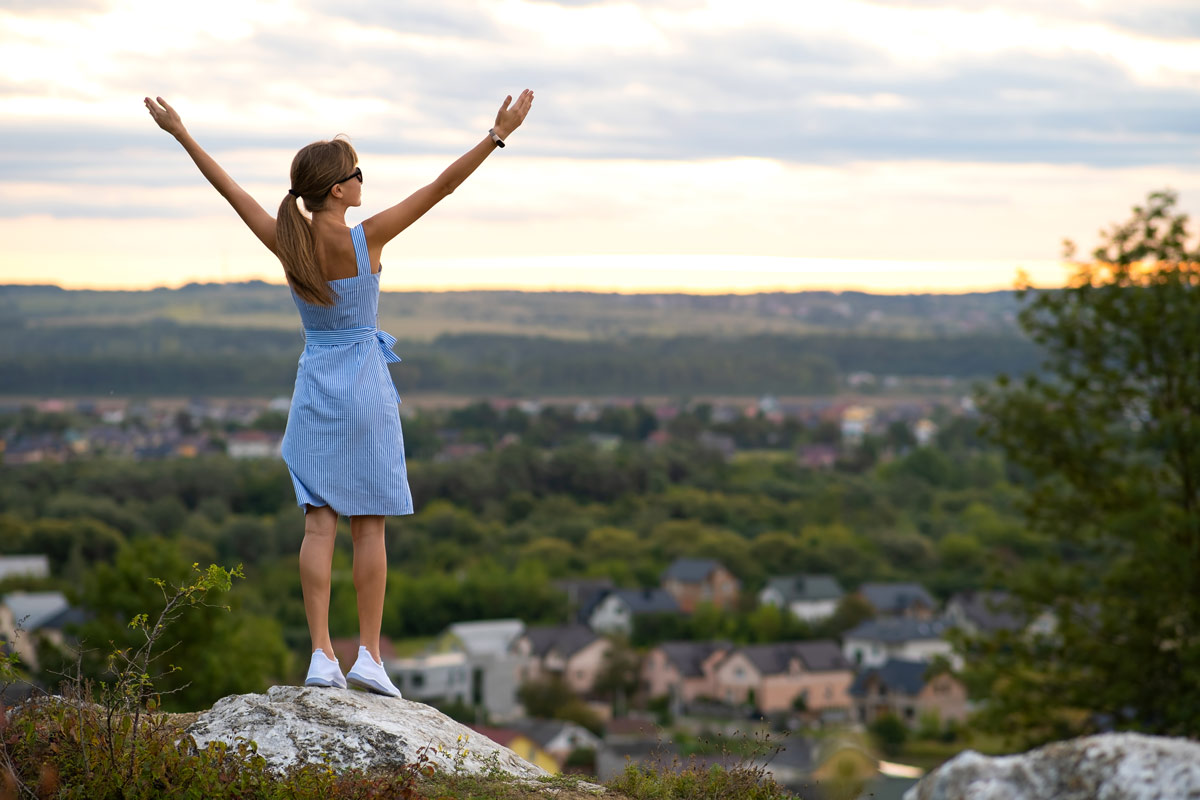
[[564, 315]]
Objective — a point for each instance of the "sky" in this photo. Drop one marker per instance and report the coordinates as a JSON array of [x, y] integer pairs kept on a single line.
[[681, 145]]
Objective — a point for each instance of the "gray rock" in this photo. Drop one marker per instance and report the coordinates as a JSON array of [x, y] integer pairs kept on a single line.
[[295, 725], [1112, 766]]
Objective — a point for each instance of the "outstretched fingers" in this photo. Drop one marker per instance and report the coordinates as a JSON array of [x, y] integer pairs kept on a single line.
[[524, 102], [164, 115]]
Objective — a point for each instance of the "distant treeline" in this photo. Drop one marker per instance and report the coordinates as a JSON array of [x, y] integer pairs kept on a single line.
[[166, 358]]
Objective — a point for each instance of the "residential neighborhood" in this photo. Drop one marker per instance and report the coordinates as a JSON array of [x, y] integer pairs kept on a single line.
[[252, 428], [899, 663]]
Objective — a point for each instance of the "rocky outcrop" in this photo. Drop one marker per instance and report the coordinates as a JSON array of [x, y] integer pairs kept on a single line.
[[1113, 766], [295, 725]]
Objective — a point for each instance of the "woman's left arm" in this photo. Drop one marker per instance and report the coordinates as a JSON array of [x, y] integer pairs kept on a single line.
[[387, 224], [255, 216]]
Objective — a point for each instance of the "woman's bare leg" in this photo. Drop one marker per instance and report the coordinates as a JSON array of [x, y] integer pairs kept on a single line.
[[370, 578], [316, 562]]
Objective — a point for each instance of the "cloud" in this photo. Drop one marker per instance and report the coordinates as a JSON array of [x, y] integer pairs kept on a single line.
[[658, 127], [682, 81], [51, 6]]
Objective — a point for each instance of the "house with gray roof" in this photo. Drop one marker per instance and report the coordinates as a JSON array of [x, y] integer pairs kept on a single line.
[[692, 581], [875, 641], [31, 610], [682, 671], [28, 617], [812, 598], [572, 652], [582, 594], [809, 676], [899, 600], [617, 609], [908, 690], [984, 612], [557, 737]]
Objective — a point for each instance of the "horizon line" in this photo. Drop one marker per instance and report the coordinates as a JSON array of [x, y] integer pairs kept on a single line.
[[499, 289]]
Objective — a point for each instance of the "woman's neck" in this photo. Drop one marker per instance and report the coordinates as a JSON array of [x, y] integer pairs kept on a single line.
[[333, 215]]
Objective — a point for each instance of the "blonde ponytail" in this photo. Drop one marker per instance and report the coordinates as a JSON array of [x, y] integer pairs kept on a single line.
[[314, 171]]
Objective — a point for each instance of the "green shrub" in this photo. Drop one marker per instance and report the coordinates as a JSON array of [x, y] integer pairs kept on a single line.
[[890, 733], [713, 783]]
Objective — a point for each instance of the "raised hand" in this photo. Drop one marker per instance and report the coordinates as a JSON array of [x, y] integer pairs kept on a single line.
[[509, 118], [166, 117]]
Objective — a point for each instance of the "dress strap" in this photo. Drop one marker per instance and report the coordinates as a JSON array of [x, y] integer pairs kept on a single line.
[[361, 256]]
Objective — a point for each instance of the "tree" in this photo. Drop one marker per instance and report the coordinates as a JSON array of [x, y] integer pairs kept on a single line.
[[551, 698], [1110, 433], [217, 652], [618, 678], [890, 733]]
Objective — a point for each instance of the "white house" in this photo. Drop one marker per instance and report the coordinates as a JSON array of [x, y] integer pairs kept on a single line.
[[872, 643], [471, 662], [254, 444], [26, 566], [615, 612], [810, 597], [434, 677]]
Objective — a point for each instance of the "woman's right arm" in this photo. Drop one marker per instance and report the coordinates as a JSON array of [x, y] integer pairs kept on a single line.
[[258, 220]]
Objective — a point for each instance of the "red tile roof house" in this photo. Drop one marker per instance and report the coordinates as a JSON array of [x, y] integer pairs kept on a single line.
[[784, 676], [573, 652], [904, 688], [683, 671], [692, 581]]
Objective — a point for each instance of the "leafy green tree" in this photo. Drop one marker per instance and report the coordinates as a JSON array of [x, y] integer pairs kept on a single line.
[[618, 678], [217, 653], [82, 540], [851, 612], [551, 698], [1110, 433], [890, 733]]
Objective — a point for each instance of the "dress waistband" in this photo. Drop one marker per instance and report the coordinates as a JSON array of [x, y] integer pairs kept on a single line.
[[353, 335]]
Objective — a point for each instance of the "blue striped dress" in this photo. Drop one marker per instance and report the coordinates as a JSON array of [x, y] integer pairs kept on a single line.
[[343, 445]]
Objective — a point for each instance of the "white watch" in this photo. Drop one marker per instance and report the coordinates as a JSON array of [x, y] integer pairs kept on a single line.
[[495, 137]]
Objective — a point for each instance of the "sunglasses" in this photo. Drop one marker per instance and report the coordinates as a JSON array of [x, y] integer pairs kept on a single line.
[[356, 174]]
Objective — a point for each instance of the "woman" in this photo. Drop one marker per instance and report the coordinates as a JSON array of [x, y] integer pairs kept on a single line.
[[343, 445]]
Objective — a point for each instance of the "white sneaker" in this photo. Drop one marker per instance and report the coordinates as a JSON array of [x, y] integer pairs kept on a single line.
[[369, 674], [324, 671]]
